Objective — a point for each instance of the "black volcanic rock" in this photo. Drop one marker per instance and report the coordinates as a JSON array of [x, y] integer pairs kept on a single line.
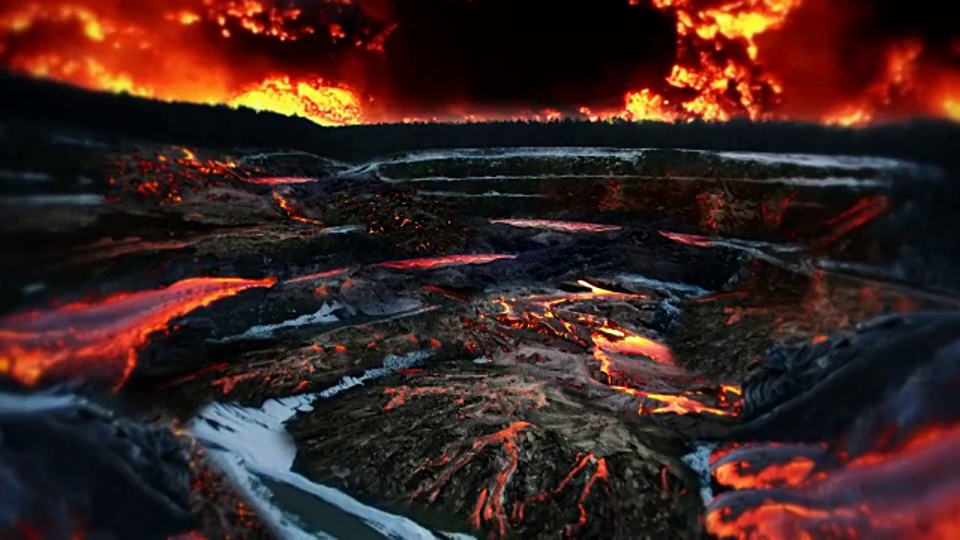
[[69, 467], [808, 391]]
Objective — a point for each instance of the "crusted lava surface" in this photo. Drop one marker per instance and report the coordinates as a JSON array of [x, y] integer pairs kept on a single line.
[[505, 342]]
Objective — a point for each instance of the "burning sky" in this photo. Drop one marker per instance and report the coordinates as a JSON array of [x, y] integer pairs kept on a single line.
[[354, 61]]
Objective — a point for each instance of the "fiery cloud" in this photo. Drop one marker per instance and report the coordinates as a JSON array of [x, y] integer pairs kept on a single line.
[[340, 62]]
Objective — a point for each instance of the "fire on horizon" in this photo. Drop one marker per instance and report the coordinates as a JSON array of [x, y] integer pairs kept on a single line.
[[340, 62]]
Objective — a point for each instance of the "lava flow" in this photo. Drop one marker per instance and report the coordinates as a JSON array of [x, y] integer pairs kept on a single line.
[[560, 226], [490, 503], [494, 508], [433, 263], [280, 180], [165, 176], [655, 378], [894, 474], [912, 494], [293, 211], [99, 341], [336, 62]]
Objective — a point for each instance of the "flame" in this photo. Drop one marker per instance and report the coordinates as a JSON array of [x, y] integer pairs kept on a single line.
[[102, 339], [188, 51], [316, 100]]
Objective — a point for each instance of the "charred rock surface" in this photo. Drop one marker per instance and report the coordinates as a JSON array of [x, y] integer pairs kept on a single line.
[[504, 342], [499, 453], [70, 467], [808, 390]]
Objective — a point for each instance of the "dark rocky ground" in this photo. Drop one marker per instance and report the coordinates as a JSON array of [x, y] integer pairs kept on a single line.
[[584, 317]]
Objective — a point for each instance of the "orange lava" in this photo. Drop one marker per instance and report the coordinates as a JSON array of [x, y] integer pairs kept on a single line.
[[475, 398], [760, 467], [292, 211], [279, 180], [166, 176], [490, 507], [561, 226], [101, 340], [336, 272], [900, 492], [584, 461], [490, 504], [607, 340], [728, 65], [550, 315], [433, 263]]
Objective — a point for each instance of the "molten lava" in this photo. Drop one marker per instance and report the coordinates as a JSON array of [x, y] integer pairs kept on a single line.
[[167, 176], [494, 508], [627, 362], [560, 226], [433, 263], [293, 211], [100, 340], [280, 180], [892, 474], [912, 493], [339, 62]]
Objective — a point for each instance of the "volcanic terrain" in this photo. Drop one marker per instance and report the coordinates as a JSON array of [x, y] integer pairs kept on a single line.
[[502, 342]]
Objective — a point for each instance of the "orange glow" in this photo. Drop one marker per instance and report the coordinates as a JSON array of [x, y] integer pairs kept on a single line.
[[561, 226], [180, 53], [793, 472], [336, 272], [479, 399], [432, 263], [114, 52], [101, 340], [279, 180], [551, 315], [316, 100], [806, 491], [489, 506], [292, 211]]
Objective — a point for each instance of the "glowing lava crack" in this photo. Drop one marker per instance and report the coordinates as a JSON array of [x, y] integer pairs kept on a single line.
[[100, 340]]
